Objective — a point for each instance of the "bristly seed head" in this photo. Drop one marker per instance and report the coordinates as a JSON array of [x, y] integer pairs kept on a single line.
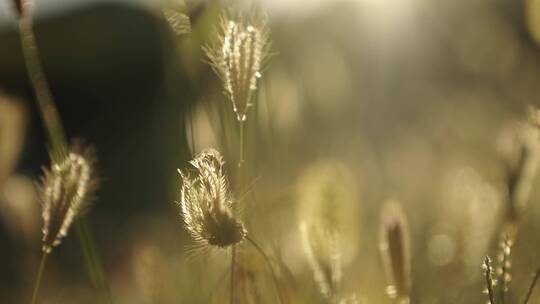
[[395, 251], [65, 191], [237, 57], [321, 245], [206, 204]]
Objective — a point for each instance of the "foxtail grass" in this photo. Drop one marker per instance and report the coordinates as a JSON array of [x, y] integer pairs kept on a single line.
[[206, 206], [67, 184], [321, 248], [237, 55]]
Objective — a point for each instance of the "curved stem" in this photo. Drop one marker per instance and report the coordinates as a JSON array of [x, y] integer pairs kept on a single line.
[[269, 263], [531, 287], [44, 256], [40, 85]]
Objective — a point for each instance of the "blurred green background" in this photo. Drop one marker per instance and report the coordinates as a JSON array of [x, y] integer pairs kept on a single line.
[[406, 97]]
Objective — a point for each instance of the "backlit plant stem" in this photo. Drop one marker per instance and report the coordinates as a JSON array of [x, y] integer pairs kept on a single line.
[[44, 257], [40, 85]]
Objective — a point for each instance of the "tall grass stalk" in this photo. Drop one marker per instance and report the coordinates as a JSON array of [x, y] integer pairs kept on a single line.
[[55, 133], [240, 186]]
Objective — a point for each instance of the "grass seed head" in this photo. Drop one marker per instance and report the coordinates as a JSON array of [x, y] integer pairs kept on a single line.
[[237, 56], [322, 250], [206, 204], [65, 191], [395, 251], [519, 150]]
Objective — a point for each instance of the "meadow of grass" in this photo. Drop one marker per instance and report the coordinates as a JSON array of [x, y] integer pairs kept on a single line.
[[356, 151]]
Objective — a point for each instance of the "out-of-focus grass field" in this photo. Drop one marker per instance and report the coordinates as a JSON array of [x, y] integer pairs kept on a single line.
[[361, 101]]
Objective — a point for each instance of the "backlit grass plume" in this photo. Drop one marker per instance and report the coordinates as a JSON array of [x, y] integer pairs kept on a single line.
[[206, 204], [324, 257], [237, 56], [395, 252], [519, 150], [65, 191]]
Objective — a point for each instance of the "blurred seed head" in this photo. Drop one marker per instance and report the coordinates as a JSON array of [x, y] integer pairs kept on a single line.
[[12, 129], [206, 204], [395, 251], [487, 269], [519, 150], [321, 247], [534, 116], [238, 56], [179, 23], [327, 195], [65, 191], [19, 7], [504, 262], [469, 205]]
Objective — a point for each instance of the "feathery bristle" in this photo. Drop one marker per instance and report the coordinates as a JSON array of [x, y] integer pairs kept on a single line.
[[322, 250], [238, 57], [206, 204], [395, 251], [65, 190]]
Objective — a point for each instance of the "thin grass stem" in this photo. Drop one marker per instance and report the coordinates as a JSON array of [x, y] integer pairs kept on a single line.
[[531, 287], [41, 268], [241, 160], [269, 264], [40, 85]]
